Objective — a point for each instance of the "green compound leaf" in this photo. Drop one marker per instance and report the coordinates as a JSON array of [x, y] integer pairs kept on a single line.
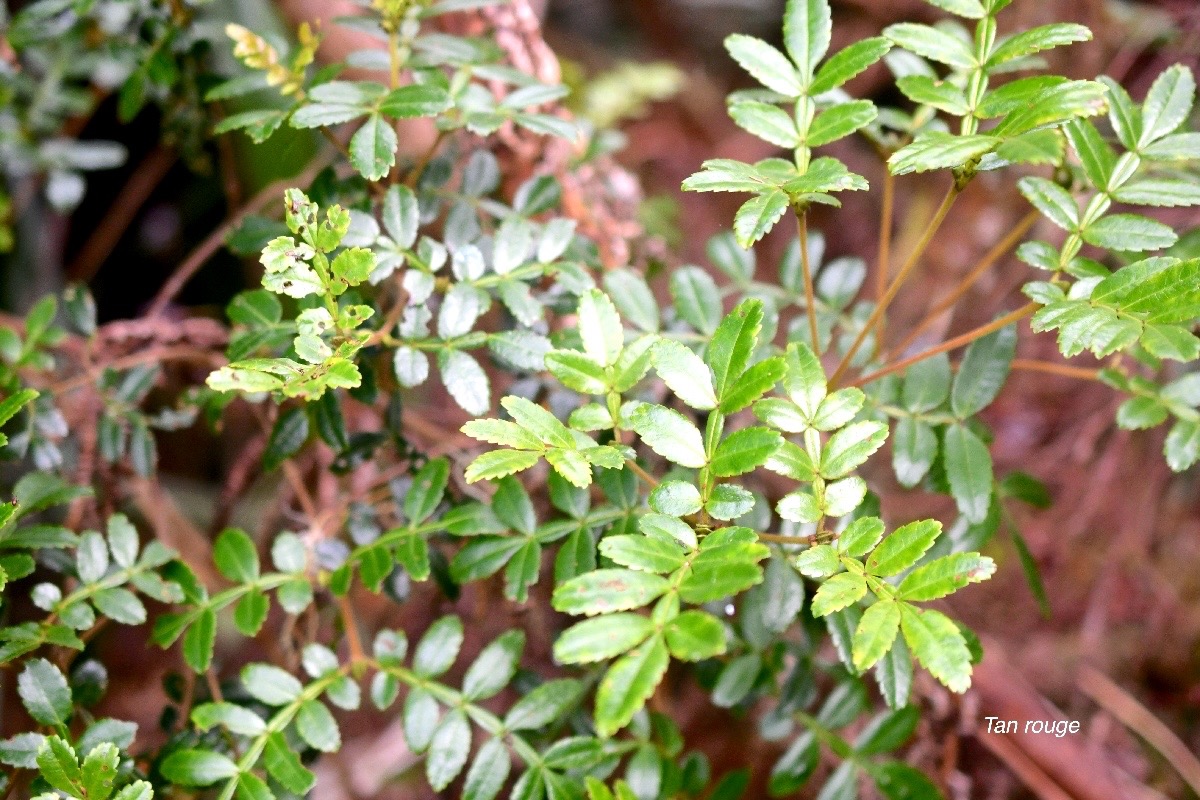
[[838, 592], [969, 470], [938, 645], [628, 684], [767, 65], [602, 637], [45, 693], [875, 633], [670, 434], [744, 450], [606, 590], [903, 548], [945, 575], [695, 635], [685, 374], [197, 767], [983, 371], [807, 30]]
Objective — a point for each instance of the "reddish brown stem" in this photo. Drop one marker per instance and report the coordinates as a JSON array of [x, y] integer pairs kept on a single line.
[[935, 223], [951, 344], [989, 259]]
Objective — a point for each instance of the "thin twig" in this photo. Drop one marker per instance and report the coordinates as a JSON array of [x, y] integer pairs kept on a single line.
[[350, 624], [989, 259], [810, 309], [950, 344], [420, 166], [782, 539], [150, 356], [883, 267], [641, 473], [121, 214], [212, 243], [1032, 365], [935, 223], [1133, 715]]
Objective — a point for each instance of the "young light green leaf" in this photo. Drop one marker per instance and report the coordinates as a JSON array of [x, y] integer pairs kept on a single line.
[[732, 345], [876, 631], [807, 29], [945, 576], [861, 536], [767, 65], [838, 592], [670, 434], [498, 464], [685, 374], [903, 548], [744, 450], [938, 644], [850, 447], [758, 215]]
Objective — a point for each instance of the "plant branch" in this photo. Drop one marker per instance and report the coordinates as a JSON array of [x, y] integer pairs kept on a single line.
[[810, 306], [779, 538], [989, 259], [883, 267], [213, 242], [950, 344], [419, 167], [1065, 370], [880, 307], [641, 473], [1116, 701]]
